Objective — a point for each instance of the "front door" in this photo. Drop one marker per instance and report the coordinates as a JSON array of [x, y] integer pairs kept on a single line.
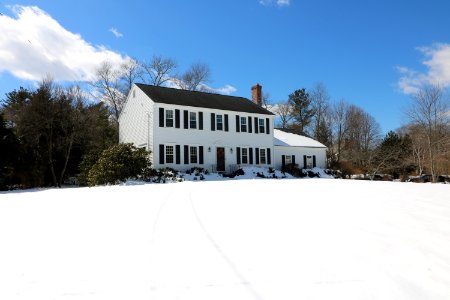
[[220, 159]]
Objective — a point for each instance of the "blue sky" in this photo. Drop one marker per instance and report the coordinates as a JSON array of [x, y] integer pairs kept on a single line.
[[370, 53]]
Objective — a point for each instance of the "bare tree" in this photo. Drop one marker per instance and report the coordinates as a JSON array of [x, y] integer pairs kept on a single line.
[[107, 88], [339, 112], [283, 110], [266, 103], [418, 146], [320, 104], [159, 70], [195, 78], [430, 110], [361, 135], [130, 71]]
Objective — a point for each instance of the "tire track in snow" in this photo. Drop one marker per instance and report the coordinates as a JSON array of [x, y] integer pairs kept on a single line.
[[230, 263]]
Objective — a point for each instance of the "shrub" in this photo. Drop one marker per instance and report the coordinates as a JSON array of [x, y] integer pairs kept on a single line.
[[87, 162], [119, 163]]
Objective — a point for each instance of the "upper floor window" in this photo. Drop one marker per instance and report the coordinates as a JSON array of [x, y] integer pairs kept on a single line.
[[193, 120], [261, 125], [244, 155], [193, 154], [169, 118], [262, 156], [243, 124], [169, 154], [219, 122]]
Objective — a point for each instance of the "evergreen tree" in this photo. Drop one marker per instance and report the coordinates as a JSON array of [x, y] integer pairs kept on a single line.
[[301, 110]]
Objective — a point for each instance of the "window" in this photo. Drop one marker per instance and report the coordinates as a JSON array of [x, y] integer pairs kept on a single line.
[[169, 154], [134, 93], [288, 159], [243, 124], [219, 122], [193, 154], [193, 120], [169, 118], [262, 156], [261, 125], [244, 154], [309, 162]]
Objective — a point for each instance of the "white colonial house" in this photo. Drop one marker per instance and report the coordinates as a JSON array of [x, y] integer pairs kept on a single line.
[[291, 148], [185, 129]]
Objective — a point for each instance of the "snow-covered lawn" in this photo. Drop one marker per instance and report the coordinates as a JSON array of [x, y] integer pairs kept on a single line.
[[242, 239]]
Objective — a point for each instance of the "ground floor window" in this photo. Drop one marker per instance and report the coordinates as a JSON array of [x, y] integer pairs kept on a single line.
[[244, 155], [262, 156], [169, 154], [288, 159], [193, 154]]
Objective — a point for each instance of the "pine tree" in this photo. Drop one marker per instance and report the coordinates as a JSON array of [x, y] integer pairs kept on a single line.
[[302, 111]]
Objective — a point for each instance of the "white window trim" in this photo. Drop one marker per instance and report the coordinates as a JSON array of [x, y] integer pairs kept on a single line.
[[288, 159], [261, 126], [196, 154], [243, 123], [166, 118], [261, 150], [193, 113], [167, 155], [247, 156], [217, 122]]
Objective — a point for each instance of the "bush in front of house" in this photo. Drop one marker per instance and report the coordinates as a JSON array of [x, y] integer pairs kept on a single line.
[[119, 163]]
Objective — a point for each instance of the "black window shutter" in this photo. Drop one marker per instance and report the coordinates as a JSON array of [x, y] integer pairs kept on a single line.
[[304, 161], [200, 120], [186, 154], [267, 126], [186, 119], [177, 154], [226, 122], [314, 161], [161, 117], [238, 124], [177, 118], [161, 154], [200, 152], [238, 155], [256, 125], [213, 121], [250, 154], [257, 156], [269, 159], [249, 124], [293, 160], [283, 162]]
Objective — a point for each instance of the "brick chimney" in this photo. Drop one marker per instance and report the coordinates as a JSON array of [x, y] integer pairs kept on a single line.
[[257, 94]]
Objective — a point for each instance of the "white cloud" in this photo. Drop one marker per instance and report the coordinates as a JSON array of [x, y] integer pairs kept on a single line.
[[277, 2], [116, 33], [437, 62], [33, 45], [283, 2], [225, 90]]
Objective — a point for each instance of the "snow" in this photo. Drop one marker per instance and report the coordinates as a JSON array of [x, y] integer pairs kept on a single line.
[[282, 138], [236, 239]]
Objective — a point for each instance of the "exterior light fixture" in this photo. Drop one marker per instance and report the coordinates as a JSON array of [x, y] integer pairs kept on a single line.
[[209, 149]]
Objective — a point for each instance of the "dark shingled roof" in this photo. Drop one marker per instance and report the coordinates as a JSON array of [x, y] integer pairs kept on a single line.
[[201, 99]]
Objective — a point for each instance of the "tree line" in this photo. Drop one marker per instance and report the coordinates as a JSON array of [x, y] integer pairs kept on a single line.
[[53, 133], [353, 136]]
